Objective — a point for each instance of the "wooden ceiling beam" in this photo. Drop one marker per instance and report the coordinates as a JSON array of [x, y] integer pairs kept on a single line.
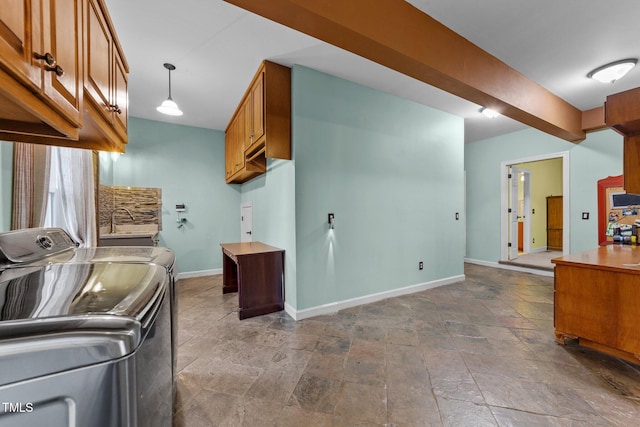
[[593, 119], [397, 35]]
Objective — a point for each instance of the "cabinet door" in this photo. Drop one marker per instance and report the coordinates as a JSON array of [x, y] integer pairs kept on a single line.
[[98, 61], [228, 153], [233, 146], [246, 123], [554, 223], [61, 36], [240, 131], [257, 111], [19, 39], [120, 97]]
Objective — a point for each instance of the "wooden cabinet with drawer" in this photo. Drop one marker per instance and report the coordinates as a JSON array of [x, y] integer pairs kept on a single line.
[[261, 125]]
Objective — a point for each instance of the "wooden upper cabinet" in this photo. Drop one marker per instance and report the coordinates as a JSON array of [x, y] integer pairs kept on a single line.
[[99, 59], [257, 110], [105, 80], [121, 96], [264, 114], [17, 37], [40, 70], [62, 38], [54, 55], [622, 114]]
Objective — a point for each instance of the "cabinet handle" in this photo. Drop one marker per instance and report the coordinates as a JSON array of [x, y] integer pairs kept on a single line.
[[57, 69], [115, 108], [47, 57]]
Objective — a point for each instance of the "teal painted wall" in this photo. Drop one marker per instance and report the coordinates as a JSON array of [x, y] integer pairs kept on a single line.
[[599, 156], [188, 164], [391, 171], [274, 218], [107, 164], [6, 184]]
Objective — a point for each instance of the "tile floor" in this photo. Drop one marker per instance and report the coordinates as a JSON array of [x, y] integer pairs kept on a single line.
[[477, 353]]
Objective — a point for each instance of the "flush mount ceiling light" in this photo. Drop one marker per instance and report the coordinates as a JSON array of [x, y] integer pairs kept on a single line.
[[488, 112], [613, 71], [169, 107]]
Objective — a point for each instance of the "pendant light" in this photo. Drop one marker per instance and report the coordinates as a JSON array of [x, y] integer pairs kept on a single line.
[[169, 107]]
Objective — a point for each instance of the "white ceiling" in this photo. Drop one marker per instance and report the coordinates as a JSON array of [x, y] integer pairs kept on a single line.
[[217, 47]]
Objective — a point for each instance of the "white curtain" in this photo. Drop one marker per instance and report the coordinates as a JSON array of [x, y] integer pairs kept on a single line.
[[73, 170], [30, 185]]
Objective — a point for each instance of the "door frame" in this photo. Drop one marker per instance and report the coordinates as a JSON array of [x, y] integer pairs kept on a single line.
[[504, 200], [526, 227], [512, 211]]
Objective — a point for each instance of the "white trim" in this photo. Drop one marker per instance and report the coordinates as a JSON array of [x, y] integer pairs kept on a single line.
[[190, 274], [533, 251], [566, 205], [510, 267], [340, 305], [527, 210]]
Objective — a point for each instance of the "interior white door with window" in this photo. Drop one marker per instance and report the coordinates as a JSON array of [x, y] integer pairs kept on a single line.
[[246, 222]]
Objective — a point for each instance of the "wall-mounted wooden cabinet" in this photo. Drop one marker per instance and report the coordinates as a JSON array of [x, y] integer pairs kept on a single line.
[[44, 61], [261, 126], [105, 80], [622, 114], [40, 69]]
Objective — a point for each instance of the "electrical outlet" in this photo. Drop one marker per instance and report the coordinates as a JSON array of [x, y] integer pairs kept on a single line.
[[420, 265]]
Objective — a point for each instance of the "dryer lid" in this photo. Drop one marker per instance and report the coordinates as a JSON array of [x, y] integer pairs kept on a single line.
[[72, 290]]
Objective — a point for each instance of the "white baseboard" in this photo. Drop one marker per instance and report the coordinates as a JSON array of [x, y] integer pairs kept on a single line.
[[190, 274], [341, 305], [509, 267]]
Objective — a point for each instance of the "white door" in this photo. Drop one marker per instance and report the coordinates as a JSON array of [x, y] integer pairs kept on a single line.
[[527, 210], [246, 222], [513, 213]]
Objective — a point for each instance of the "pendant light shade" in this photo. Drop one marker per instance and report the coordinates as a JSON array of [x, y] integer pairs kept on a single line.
[[169, 107]]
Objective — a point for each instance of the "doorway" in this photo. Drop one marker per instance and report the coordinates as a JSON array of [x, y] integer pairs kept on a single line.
[[519, 208], [246, 222], [525, 185]]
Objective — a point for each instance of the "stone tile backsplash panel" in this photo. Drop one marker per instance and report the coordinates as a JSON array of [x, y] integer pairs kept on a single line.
[[145, 204]]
